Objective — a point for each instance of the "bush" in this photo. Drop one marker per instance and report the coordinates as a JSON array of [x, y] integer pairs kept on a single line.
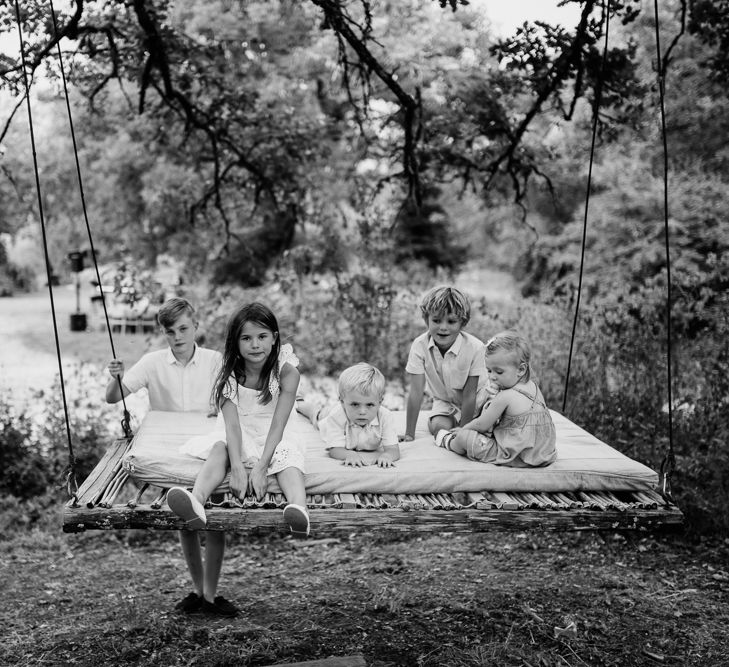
[[26, 471], [34, 447]]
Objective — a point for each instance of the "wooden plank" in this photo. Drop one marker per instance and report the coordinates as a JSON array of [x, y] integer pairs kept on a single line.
[[331, 521], [103, 472]]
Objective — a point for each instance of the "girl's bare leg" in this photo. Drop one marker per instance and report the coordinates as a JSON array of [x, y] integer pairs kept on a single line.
[[291, 481], [212, 472]]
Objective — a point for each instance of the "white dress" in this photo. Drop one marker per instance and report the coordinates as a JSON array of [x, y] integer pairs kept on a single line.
[[255, 422]]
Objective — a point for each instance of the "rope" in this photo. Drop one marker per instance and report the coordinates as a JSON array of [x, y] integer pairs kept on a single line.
[[596, 108], [125, 423], [71, 484], [668, 464]]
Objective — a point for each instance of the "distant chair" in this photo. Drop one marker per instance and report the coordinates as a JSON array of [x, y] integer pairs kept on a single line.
[[140, 317]]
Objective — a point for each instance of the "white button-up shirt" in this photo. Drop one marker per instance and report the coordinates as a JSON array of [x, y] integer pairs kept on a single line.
[[446, 374], [338, 431], [172, 386]]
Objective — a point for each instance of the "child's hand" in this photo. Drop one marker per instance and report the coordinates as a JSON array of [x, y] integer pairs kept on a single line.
[[258, 481], [405, 438], [238, 481], [356, 460], [385, 460], [116, 368]]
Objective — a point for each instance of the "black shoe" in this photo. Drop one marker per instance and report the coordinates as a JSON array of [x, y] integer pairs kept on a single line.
[[219, 606], [190, 603]]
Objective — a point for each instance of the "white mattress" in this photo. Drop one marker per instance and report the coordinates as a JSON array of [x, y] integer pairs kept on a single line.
[[583, 463]]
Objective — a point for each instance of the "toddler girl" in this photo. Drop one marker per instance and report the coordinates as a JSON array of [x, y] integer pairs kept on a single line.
[[255, 391], [514, 427]]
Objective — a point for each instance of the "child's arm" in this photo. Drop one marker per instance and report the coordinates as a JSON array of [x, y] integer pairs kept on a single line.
[[289, 383], [234, 440], [485, 422], [389, 450], [116, 370], [415, 400], [468, 405]]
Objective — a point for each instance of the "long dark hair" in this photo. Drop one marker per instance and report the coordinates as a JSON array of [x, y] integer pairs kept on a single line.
[[233, 364]]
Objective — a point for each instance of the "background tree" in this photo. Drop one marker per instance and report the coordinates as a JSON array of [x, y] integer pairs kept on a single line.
[[268, 106]]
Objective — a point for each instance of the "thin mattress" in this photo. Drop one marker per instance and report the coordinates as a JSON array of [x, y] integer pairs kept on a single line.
[[583, 463]]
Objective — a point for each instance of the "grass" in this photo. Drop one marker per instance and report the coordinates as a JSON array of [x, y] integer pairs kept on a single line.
[[488, 599]]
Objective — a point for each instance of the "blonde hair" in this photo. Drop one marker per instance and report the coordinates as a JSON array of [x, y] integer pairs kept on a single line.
[[512, 341], [173, 309], [444, 299], [364, 378]]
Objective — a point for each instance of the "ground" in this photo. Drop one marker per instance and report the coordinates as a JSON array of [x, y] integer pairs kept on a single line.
[[487, 599]]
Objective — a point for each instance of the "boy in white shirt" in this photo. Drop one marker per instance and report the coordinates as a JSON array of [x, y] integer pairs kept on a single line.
[[180, 379], [448, 362], [358, 431]]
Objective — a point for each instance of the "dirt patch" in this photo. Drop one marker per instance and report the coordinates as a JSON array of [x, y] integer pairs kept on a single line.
[[489, 599]]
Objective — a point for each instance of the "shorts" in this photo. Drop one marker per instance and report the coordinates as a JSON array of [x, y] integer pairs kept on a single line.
[[443, 408]]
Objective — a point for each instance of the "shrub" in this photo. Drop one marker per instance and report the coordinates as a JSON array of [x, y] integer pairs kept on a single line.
[[26, 471], [34, 447]]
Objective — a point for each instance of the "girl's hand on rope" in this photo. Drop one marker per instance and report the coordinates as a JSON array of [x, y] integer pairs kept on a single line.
[[238, 481], [258, 481], [116, 368]]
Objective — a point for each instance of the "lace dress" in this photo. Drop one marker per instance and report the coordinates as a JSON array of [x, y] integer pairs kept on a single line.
[[255, 422]]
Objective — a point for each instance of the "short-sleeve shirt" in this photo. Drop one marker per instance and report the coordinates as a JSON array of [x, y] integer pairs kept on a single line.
[[338, 431], [172, 386], [446, 374]]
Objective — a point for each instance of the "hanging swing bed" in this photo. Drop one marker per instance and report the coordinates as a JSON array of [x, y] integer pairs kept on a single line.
[[591, 485]]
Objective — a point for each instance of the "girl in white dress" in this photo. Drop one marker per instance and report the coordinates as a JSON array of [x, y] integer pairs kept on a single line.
[[256, 392]]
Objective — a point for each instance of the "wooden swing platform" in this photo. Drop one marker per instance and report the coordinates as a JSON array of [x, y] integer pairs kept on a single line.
[[109, 499]]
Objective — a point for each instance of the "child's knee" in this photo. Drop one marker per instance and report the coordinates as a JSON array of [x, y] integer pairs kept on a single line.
[[440, 423], [219, 452]]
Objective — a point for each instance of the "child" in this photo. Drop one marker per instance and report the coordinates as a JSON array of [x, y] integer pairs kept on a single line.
[[359, 431], [180, 379], [446, 360], [255, 391], [515, 427]]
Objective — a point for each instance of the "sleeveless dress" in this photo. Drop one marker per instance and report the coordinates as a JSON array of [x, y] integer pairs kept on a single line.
[[521, 441], [255, 422]]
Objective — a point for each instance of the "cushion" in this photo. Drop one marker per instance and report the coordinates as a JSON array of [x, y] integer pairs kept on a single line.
[[583, 463]]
